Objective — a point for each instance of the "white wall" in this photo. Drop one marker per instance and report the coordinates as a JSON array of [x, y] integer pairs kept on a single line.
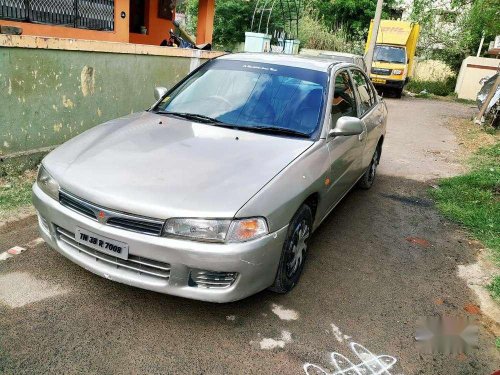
[[472, 70]]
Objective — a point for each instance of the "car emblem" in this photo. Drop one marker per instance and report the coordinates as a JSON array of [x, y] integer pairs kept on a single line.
[[101, 216]]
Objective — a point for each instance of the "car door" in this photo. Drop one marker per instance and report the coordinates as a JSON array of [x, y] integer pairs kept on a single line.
[[370, 112], [344, 151]]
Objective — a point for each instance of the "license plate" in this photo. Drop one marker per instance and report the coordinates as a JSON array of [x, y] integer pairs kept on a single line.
[[100, 243], [379, 80]]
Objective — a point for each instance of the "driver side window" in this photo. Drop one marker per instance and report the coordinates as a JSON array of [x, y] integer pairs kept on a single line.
[[344, 102]]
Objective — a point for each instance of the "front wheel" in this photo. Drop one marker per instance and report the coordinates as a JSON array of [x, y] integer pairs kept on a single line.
[[294, 251], [368, 177]]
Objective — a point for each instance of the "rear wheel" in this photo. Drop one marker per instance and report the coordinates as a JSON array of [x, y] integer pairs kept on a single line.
[[368, 178], [294, 251]]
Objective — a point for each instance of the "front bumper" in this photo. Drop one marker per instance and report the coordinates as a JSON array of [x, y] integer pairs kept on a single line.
[[255, 262], [382, 81]]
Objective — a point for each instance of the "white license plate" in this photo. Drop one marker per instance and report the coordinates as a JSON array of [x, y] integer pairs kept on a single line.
[[100, 243]]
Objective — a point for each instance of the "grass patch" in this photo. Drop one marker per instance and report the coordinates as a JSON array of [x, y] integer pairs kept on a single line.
[[473, 200], [439, 88], [15, 190], [494, 288]]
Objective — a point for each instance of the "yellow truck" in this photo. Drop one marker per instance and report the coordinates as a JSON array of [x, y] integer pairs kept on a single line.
[[394, 54]]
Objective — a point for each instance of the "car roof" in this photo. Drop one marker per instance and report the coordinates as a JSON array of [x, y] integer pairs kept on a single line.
[[343, 54], [322, 64], [329, 53]]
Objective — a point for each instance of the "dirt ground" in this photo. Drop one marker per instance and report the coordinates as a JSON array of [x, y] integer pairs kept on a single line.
[[382, 260]]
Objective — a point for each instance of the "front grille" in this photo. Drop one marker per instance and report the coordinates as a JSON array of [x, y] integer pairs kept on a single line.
[[134, 263], [212, 279], [382, 71], [136, 225], [76, 205], [112, 218]]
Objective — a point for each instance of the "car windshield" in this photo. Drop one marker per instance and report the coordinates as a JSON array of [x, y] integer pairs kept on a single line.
[[390, 54], [252, 96]]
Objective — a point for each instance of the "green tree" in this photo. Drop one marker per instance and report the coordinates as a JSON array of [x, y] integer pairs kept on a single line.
[[349, 20], [451, 39], [232, 18], [353, 15]]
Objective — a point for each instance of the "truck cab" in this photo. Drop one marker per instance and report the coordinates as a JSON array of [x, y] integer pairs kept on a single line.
[[394, 55]]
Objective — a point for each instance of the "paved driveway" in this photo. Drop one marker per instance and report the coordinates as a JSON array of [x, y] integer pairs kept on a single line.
[[383, 259]]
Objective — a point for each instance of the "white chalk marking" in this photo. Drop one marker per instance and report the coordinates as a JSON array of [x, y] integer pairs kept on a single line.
[[231, 317], [370, 363], [5, 255], [35, 242], [337, 333], [285, 314], [269, 344], [20, 288]]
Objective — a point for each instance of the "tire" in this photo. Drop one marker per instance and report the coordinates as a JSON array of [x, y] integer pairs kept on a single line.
[[368, 177], [293, 255], [399, 93]]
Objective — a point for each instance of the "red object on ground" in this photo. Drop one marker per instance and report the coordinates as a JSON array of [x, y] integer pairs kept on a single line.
[[472, 309], [419, 241], [16, 250]]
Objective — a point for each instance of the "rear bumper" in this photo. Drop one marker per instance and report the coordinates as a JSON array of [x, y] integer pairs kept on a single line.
[[255, 262]]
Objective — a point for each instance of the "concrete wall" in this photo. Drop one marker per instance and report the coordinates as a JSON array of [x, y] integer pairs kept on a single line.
[[49, 95], [431, 70], [472, 70]]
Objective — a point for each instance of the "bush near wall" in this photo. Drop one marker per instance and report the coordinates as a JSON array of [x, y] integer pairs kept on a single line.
[[440, 88]]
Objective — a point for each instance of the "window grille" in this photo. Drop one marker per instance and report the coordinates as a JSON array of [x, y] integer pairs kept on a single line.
[[83, 14]]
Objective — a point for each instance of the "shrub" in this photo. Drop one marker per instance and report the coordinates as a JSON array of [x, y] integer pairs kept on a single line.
[[315, 35], [440, 88]]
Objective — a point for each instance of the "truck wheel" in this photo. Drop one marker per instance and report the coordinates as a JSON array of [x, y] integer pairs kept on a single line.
[[294, 251], [399, 93]]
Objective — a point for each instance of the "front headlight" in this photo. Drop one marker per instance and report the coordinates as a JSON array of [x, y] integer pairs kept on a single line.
[[217, 230], [397, 72], [48, 185]]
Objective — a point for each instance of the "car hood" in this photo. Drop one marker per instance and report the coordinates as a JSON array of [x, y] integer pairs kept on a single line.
[[162, 167]]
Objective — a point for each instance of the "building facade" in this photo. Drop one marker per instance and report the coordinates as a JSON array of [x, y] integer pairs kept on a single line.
[[129, 21]]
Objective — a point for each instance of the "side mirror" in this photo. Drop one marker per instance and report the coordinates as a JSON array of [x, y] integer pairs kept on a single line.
[[159, 92], [347, 126]]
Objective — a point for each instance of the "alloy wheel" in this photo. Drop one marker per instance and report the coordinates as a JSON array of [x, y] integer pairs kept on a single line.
[[298, 248]]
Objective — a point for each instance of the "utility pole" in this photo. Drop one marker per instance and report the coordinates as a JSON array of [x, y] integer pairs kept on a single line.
[[480, 46], [373, 39]]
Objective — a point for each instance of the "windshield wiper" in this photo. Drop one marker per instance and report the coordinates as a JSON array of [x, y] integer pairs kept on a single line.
[[260, 129], [193, 116], [275, 130]]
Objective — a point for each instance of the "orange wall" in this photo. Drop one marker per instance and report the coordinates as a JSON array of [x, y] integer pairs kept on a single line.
[[157, 27], [120, 34]]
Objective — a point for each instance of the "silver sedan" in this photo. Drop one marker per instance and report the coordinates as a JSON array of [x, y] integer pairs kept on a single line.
[[213, 193]]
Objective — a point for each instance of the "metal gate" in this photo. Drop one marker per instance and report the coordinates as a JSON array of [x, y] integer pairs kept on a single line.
[[84, 14]]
